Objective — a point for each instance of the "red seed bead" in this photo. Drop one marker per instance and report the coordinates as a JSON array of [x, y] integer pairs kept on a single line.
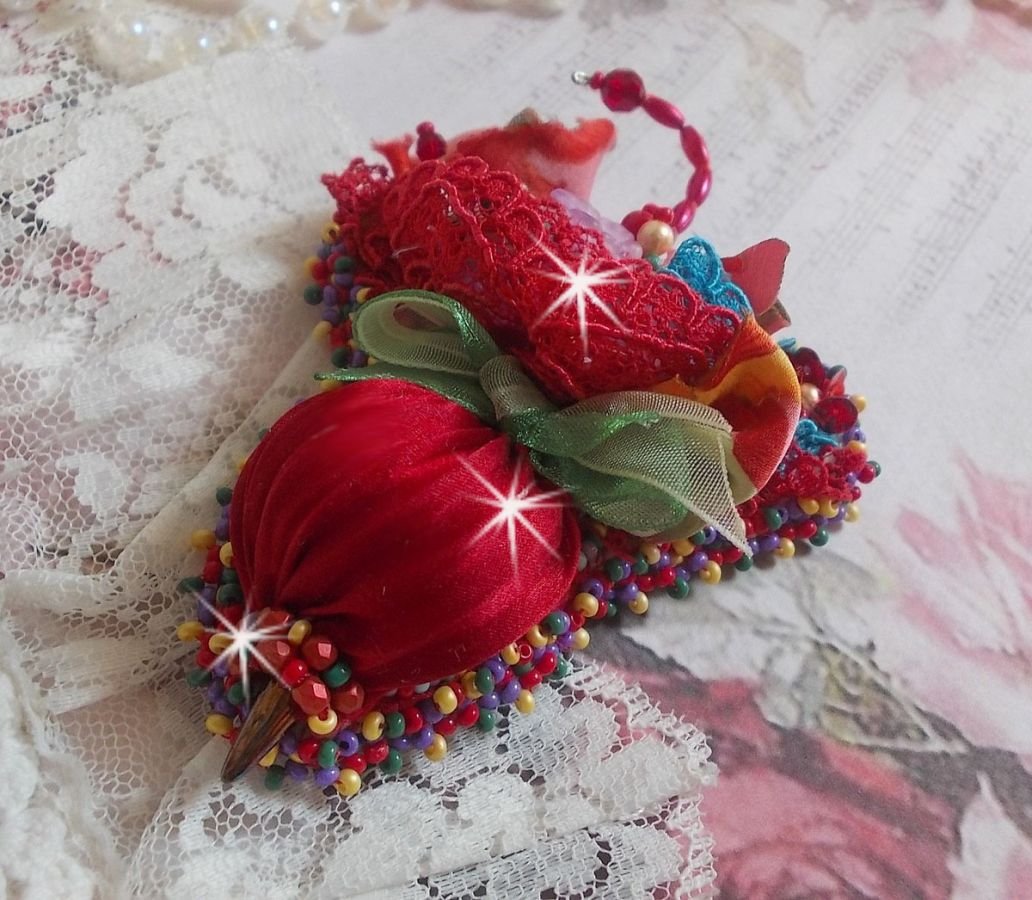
[[716, 556], [547, 665], [312, 696], [577, 620], [231, 735], [233, 613], [646, 583], [699, 186], [460, 695], [204, 657], [806, 529], [694, 147], [348, 699], [357, 762], [787, 531], [732, 555], [294, 671], [663, 111], [603, 608], [866, 474], [622, 90], [211, 572], [319, 271], [406, 690], [665, 577], [308, 750], [468, 715], [377, 753], [413, 720], [526, 651], [319, 652], [446, 726], [531, 680], [275, 652]]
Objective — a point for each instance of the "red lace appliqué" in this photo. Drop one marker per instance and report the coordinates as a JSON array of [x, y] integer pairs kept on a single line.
[[477, 235]]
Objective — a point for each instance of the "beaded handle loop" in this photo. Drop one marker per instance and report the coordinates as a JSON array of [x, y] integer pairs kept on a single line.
[[622, 90]]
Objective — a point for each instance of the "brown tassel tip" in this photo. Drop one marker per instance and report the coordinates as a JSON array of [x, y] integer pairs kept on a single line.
[[271, 715]]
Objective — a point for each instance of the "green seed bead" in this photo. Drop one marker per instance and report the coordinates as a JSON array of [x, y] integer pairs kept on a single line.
[[773, 518], [229, 576], [313, 295], [235, 694], [198, 677], [337, 675], [392, 762], [522, 668], [487, 720], [339, 357], [327, 754], [562, 668], [744, 564], [229, 593], [223, 495], [274, 776], [394, 725], [191, 585], [698, 539], [641, 565], [612, 610], [615, 569], [343, 264], [820, 537], [680, 588], [484, 680], [875, 466], [557, 623]]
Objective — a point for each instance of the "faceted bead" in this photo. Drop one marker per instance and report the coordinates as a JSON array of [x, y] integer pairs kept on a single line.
[[622, 90], [337, 675], [311, 695], [319, 652], [275, 652], [834, 415], [348, 699]]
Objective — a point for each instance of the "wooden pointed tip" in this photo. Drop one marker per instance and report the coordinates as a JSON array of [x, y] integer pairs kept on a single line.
[[271, 715]]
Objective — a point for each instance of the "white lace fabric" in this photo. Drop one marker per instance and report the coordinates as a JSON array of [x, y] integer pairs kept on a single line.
[[151, 243]]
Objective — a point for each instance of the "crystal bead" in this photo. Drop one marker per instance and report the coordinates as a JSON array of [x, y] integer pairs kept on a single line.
[[834, 415], [622, 90]]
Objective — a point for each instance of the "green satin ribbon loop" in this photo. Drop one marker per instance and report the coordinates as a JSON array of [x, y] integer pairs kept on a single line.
[[647, 463]]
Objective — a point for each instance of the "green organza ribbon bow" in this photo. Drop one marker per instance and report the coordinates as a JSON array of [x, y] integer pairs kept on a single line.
[[647, 463]]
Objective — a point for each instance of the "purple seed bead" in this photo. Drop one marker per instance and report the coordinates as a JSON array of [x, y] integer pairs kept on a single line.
[[430, 712], [851, 479], [682, 572], [204, 615], [512, 689], [288, 743], [820, 521], [358, 359], [537, 654], [222, 531], [594, 587], [497, 668], [214, 691], [353, 293], [839, 516], [590, 552], [768, 543], [221, 668], [223, 706], [697, 561], [343, 279], [564, 641], [489, 701], [324, 251], [754, 546], [423, 738], [208, 592], [347, 740], [664, 561], [609, 595], [329, 295], [297, 771], [326, 777], [627, 592], [401, 744], [709, 535], [331, 315]]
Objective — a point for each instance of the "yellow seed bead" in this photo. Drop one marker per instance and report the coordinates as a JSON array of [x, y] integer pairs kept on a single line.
[[859, 401], [829, 509], [362, 295], [372, 726], [581, 639], [510, 655], [324, 724], [536, 637], [371, 360], [599, 529], [852, 512], [438, 748], [711, 573], [322, 330], [240, 463], [525, 702], [469, 686], [445, 700], [202, 539], [310, 265], [299, 631], [676, 559], [294, 757], [348, 783], [330, 233], [226, 554], [269, 758], [683, 548], [218, 724], [639, 605], [857, 447], [586, 604], [220, 641], [328, 384], [786, 549], [809, 506], [651, 553], [189, 631]]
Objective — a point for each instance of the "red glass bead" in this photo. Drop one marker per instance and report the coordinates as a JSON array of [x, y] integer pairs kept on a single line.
[[866, 474], [808, 366], [646, 583], [233, 613], [716, 556], [413, 720], [319, 652], [732, 555], [204, 657], [357, 762], [308, 750], [684, 213], [211, 572], [377, 753], [699, 186], [231, 735], [855, 493], [663, 111], [430, 145], [294, 672], [406, 690], [547, 665], [531, 679], [787, 531], [275, 652], [468, 715], [311, 695], [273, 618], [348, 699], [806, 529], [446, 726], [665, 577], [834, 415], [622, 90], [694, 147], [319, 271]]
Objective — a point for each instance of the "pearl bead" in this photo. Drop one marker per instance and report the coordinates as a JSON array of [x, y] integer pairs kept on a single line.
[[317, 20], [656, 238], [349, 783], [252, 25], [376, 13], [810, 394]]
